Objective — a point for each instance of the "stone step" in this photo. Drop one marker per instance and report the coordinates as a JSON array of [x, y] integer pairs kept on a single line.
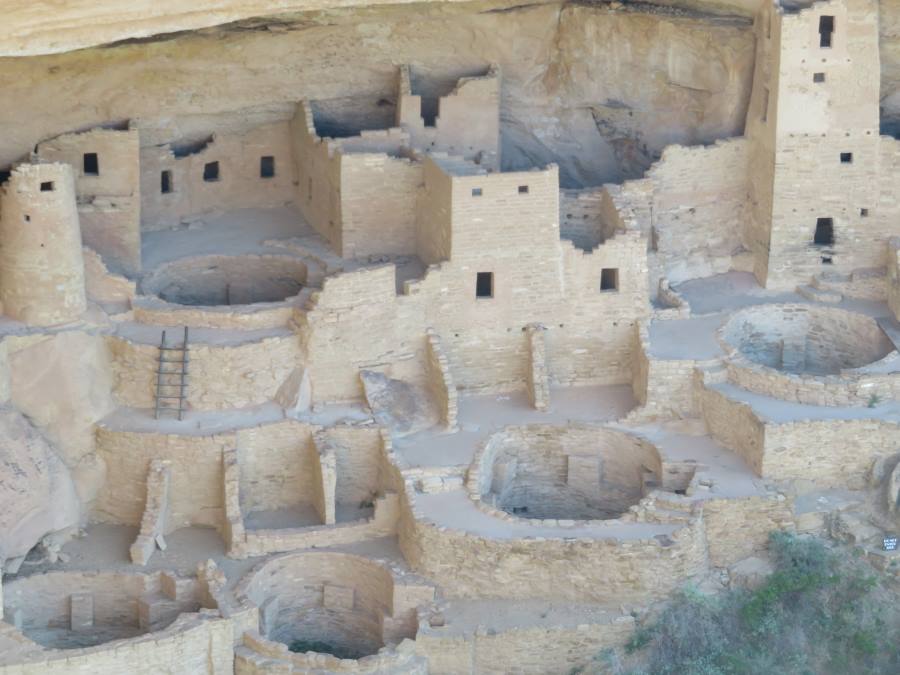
[[673, 502], [658, 515], [819, 294]]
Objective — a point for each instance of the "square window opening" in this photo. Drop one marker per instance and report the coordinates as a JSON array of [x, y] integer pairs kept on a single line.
[[484, 285], [47, 186], [211, 172], [826, 30], [27, 218], [609, 279], [826, 260], [165, 182], [818, 77], [91, 164], [824, 235], [523, 189], [846, 158], [476, 192], [267, 167], [864, 212]]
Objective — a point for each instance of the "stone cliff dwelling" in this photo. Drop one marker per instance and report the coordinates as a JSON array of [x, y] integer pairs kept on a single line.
[[445, 339]]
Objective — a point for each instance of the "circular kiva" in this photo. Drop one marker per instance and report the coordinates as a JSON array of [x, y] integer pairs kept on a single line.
[[806, 339], [576, 472], [217, 280]]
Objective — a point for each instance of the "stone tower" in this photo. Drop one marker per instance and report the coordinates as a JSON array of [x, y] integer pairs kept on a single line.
[[820, 174], [41, 263]]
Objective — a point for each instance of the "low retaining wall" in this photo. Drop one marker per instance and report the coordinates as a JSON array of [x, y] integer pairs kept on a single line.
[[221, 376], [571, 569]]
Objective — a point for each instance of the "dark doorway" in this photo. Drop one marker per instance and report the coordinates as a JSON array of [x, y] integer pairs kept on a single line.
[[826, 30], [91, 164], [824, 235], [267, 167], [484, 285]]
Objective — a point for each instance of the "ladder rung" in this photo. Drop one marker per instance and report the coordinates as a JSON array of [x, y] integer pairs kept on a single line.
[[167, 403]]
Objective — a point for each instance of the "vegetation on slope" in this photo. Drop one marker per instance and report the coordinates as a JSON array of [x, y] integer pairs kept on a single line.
[[822, 611]]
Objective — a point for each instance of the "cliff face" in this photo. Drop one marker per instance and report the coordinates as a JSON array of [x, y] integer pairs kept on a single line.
[[48, 26], [598, 90]]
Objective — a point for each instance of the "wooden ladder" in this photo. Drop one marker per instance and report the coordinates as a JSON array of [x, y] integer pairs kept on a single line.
[[171, 377]]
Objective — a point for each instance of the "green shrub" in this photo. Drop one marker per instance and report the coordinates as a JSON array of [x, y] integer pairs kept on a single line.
[[820, 612]]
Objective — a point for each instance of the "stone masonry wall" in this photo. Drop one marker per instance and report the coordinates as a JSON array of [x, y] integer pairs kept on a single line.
[[578, 570], [698, 208], [221, 376], [194, 643], [109, 201], [195, 491], [239, 185], [277, 466], [41, 263], [833, 453], [378, 204], [737, 528]]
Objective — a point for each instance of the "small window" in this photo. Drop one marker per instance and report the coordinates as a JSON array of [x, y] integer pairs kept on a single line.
[[476, 192], [267, 167], [609, 279], [27, 218], [211, 172], [484, 285], [864, 213], [824, 235], [826, 29], [818, 77], [47, 187], [846, 158], [165, 182], [523, 189], [91, 164]]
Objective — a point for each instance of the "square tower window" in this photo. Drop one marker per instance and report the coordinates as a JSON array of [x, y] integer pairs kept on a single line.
[[484, 285], [267, 167], [826, 30], [523, 189], [846, 158], [864, 212], [824, 235], [165, 182], [609, 279], [211, 172], [91, 164], [47, 187], [476, 192], [818, 77]]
